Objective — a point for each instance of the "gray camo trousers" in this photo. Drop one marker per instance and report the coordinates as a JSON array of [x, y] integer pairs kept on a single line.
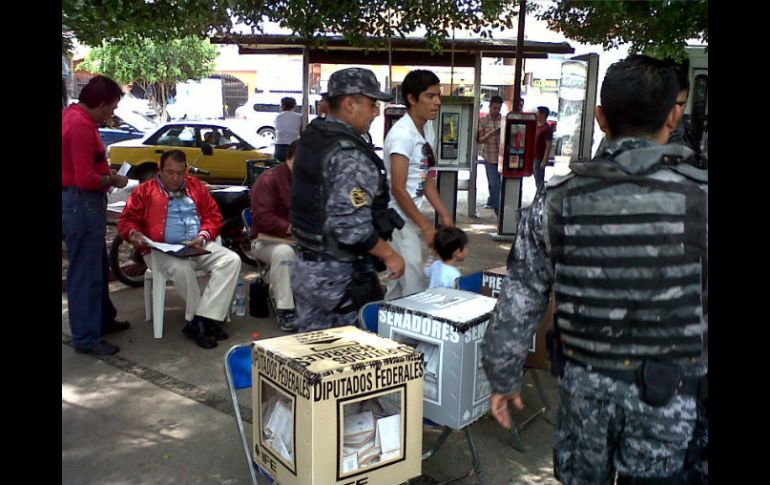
[[318, 288], [604, 428]]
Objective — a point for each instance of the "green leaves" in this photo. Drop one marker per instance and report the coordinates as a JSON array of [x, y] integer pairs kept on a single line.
[[95, 21], [660, 28], [655, 25], [156, 63]]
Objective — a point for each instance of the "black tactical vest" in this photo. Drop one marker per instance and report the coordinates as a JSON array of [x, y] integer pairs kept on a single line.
[[628, 249], [310, 185]]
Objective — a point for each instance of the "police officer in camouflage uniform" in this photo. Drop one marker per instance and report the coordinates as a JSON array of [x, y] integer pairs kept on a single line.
[[622, 241], [339, 214]]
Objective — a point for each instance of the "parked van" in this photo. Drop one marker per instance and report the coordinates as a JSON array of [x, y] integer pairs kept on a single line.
[[262, 108]]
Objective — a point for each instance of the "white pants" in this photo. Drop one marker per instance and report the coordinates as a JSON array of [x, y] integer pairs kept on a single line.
[[223, 265], [406, 242], [281, 258]]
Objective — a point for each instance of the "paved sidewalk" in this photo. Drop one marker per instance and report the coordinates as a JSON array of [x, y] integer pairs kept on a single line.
[[159, 411]]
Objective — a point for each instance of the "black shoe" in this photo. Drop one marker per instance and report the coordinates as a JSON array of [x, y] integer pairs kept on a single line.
[[286, 320], [196, 330], [99, 348], [115, 326], [214, 329]]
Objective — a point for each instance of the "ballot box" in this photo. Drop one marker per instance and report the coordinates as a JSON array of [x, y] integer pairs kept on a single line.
[[340, 406], [492, 281], [447, 326], [491, 284]]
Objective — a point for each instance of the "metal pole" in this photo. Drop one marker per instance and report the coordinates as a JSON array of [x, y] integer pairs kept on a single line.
[[452, 71], [519, 54], [305, 84], [474, 145]]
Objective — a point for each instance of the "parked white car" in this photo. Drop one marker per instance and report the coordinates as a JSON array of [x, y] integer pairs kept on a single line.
[[261, 109]]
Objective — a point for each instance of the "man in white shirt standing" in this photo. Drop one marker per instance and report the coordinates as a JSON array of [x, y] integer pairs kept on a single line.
[[408, 156], [287, 127]]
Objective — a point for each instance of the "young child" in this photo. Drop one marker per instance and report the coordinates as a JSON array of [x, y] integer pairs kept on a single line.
[[449, 243]]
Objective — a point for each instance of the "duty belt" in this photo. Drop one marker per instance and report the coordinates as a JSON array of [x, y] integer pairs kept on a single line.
[[687, 387], [313, 256], [316, 257]]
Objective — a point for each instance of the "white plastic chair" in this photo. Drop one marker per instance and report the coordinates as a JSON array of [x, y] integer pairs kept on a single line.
[[155, 296]]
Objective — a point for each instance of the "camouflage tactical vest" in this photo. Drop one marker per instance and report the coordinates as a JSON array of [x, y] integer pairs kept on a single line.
[[320, 141], [627, 239]]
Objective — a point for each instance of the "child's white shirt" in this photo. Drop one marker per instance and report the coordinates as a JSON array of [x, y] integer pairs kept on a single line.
[[441, 275]]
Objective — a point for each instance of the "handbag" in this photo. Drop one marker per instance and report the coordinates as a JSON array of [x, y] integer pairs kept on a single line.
[[259, 299]]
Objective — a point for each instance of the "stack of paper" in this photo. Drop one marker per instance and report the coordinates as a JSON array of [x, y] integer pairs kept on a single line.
[[369, 439], [431, 356], [389, 436], [358, 429], [278, 427]]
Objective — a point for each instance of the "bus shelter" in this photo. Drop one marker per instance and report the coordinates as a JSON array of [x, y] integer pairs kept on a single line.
[[399, 52]]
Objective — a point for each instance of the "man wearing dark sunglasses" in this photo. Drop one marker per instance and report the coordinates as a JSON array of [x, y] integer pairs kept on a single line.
[[409, 157], [339, 208]]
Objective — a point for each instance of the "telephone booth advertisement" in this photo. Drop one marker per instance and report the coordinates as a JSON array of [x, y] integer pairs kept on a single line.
[[391, 114], [519, 146]]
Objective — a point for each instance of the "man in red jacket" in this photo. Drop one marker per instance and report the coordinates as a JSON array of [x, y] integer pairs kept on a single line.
[[270, 204], [177, 208]]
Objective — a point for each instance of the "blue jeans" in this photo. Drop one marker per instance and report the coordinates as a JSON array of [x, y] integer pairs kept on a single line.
[[84, 225], [539, 174], [493, 182]]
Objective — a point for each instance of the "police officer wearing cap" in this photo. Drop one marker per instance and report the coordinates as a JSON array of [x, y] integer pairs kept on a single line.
[[339, 214], [622, 241]]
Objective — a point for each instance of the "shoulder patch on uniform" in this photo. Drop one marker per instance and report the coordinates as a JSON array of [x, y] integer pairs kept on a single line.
[[358, 197]]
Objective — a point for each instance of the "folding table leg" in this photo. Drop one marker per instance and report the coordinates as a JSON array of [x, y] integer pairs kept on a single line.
[[437, 444], [475, 456], [548, 409]]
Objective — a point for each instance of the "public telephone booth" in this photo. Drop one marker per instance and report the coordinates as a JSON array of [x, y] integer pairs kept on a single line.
[[518, 162], [390, 115], [573, 137], [454, 147]]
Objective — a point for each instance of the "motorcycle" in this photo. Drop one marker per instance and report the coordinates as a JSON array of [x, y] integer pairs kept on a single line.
[[127, 263]]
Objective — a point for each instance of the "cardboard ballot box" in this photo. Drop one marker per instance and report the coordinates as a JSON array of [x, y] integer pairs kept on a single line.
[[447, 327], [491, 283], [492, 280], [337, 407]]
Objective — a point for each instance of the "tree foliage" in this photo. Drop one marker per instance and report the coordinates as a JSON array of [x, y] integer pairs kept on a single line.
[[154, 66], [94, 21], [657, 27]]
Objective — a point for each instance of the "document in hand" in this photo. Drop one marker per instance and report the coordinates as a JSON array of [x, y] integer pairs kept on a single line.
[[178, 250]]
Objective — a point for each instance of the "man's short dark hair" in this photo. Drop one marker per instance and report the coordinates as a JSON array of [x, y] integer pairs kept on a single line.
[[637, 95], [176, 155], [683, 74], [288, 103], [544, 110], [292, 149], [336, 101], [496, 99], [448, 240], [417, 82], [100, 89]]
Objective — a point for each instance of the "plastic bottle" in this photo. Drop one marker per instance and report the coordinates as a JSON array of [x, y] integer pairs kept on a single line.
[[239, 301]]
